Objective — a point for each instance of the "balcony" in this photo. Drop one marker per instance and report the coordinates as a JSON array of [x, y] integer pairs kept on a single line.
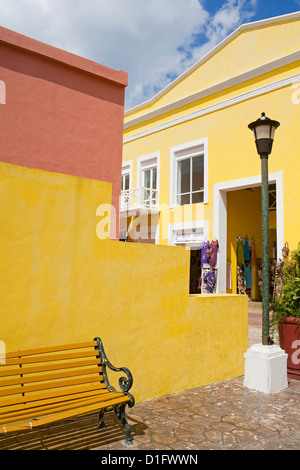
[[139, 199]]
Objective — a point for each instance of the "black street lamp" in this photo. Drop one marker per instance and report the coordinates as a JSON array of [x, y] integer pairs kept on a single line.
[[264, 130]]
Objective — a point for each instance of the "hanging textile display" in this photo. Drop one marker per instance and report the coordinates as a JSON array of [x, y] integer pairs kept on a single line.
[[246, 267], [247, 275], [246, 251], [205, 253], [253, 253], [240, 264], [278, 282], [210, 280], [214, 250], [240, 280], [209, 253], [240, 252]]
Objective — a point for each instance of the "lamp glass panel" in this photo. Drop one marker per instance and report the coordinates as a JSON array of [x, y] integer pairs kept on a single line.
[[263, 132], [273, 132]]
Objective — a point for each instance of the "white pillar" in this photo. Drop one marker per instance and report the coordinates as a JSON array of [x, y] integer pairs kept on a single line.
[[266, 368]]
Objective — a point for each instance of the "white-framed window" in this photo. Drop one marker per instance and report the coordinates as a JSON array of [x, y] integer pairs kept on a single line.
[[150, 185], [125, 181], [148, 179], [189, 173], [126, 176]]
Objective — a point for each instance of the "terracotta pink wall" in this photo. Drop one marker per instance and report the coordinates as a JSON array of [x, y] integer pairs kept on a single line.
[[62, 113]]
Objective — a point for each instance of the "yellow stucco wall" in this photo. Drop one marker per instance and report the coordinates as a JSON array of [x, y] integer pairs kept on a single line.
[[60, 284]]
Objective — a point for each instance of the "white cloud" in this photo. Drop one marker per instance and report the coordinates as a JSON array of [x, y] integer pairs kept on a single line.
[[229, 17], [154, 41]]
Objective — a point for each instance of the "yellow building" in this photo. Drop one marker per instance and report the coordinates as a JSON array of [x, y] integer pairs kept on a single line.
[[191, 173]]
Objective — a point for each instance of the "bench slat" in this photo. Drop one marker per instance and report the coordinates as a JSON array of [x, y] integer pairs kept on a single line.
[[48, 399], [59, 416], [9, 372], [49, 357], [66, 347], [67, 392], [64, 383], [33, 412], [49, 377]]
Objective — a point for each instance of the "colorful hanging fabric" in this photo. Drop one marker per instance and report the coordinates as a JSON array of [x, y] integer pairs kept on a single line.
[[205, 247], [247, 275], [240, 280], [253, 254], [246, 251], [210, 280], [214, 250], [240, 252]]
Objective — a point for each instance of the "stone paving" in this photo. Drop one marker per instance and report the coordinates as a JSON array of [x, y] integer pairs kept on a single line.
[[221, 416]]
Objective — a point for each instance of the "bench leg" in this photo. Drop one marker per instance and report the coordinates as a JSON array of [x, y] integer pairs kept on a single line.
[[120, 412], [101, 423]]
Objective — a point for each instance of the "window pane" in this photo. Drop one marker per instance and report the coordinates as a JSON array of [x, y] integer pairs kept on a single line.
[[183, 199], [198, 173], [183, 176], [197, 197], [125, 182], [154, 177], [147, 178]]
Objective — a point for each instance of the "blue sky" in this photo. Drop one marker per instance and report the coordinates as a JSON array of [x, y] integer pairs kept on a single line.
[[154, 41]]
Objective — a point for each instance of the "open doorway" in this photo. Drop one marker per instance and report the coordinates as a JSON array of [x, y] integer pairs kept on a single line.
[[244, 241], [195, 271], [237, 212]]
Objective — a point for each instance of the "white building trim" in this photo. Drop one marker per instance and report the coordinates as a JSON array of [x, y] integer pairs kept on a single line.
[[223, 104], [236, 80], [220, 217]]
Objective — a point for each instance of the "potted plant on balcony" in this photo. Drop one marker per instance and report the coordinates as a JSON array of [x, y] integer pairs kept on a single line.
[[286, 313]]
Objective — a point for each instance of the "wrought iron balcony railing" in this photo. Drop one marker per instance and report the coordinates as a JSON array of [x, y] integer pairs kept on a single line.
[[139, 198]]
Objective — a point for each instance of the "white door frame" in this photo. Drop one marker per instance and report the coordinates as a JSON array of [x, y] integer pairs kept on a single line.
[[220, 217]]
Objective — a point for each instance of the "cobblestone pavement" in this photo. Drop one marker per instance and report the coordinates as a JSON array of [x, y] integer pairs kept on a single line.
[[221, 416]]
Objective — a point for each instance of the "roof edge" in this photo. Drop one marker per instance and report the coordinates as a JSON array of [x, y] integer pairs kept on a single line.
[[33, 46], [217, 87], [245, 26]]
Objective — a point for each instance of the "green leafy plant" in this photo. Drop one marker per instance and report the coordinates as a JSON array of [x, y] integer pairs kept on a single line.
[[288, 305]]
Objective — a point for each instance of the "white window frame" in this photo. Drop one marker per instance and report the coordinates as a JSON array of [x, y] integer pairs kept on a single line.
[[147, 162], [127, 170], [181, 152]]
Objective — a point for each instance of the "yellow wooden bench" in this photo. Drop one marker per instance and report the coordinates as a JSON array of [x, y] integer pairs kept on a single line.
[[40, 386]]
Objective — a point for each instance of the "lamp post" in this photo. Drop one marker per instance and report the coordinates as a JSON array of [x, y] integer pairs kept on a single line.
[[264, 130]]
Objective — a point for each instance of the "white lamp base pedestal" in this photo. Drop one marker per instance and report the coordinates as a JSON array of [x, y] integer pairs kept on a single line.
[[265, 368]]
